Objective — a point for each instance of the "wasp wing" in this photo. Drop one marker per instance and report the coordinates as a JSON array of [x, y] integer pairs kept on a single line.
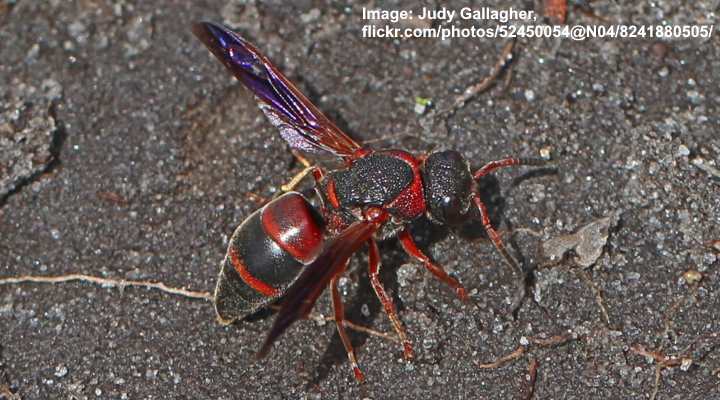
[[301, 296], [300, 123]]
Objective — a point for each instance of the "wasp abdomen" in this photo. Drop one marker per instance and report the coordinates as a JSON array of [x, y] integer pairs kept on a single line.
[[265, 255]]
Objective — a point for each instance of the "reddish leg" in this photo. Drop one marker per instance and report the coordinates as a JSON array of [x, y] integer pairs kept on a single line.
[[507, 162], [492, 233], [374, 271], [409, 245], [316, 172], [340, 322]]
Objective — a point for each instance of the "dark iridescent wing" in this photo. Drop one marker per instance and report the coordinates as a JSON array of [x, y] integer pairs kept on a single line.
[[301, 296], [300, 123]]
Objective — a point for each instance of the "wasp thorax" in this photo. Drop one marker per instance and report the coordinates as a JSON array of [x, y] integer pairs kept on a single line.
[[448, 186]]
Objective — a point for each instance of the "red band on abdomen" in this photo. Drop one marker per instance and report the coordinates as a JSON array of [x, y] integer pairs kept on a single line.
[[255, 283]]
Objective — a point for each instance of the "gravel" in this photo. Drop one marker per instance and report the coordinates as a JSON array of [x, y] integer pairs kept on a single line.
[[127, 152]]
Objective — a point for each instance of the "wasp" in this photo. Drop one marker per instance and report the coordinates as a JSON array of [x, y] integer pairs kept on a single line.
[[289, 250]]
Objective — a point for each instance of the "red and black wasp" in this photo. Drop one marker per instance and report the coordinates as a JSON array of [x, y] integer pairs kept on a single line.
[[290, 251]]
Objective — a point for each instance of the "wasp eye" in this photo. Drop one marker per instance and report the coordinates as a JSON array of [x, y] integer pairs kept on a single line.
[[448, 182]]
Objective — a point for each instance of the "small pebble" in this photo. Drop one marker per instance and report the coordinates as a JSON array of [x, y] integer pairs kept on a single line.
[[692, 276], [310, 16], [715, 245], [683, 151], [61, 371], [694, 96], [529, 95], [545, 152], [686, 363], [365, 310], [660, 50]]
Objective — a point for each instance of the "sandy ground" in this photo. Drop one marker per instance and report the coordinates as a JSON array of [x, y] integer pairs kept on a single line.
[[128, 152]]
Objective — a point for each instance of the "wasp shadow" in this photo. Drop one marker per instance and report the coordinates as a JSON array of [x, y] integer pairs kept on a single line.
[[363, 308], [490, 193], [425, 234]]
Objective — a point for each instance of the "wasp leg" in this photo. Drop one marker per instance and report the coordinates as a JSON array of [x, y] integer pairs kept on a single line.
[[507, 162], [374, 272], [316, 171], [298, 178], [411, 248], [493, 235], [298, 156], [340, 322]]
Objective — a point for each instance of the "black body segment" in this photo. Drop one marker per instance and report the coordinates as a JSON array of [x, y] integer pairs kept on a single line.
[[301, 296], [257, 270], [448, 186], [376, 179]]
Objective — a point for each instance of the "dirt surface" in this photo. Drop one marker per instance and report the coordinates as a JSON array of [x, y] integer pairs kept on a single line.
[[128, 152]]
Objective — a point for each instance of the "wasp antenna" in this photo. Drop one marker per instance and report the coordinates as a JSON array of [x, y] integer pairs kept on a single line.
[[507, 162]]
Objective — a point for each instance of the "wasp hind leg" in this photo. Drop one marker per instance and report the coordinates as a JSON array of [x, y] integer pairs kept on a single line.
[[308, 169], [339, 309], [374, 272]]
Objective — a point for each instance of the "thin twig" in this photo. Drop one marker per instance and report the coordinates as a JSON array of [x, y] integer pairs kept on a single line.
[[659, 358], [526, 230], [508, 77], [532, 372], [669, 315], [598, 295], [472, 91], [370, 331], [656, 388], [517, 353], [355, 327], [122, 283], [108, 282], [661, 362], [551, 341]]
